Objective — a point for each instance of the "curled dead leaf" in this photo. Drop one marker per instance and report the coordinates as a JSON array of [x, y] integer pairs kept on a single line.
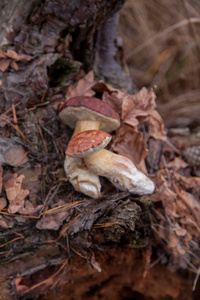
[[1, 178], [15, 194], [3, 203]]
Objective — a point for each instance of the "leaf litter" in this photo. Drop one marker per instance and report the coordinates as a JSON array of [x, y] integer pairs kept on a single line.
[[141, 137]]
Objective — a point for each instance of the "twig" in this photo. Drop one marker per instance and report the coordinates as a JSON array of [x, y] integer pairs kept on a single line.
[[6, 112], [15, 116], [18, 215], [44, 143], [44, 95], [51, 277], [19, 131], [49, 198], [63, 207], [102, 225], [64, 230], [52, 136], [196, 279], [20, 236], [78, 253]]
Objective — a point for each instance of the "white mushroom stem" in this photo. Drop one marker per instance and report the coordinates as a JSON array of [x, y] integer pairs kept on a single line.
[[120, 171], [82, 179]]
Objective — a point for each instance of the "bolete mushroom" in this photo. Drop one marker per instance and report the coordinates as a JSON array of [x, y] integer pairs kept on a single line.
[[83, 113], [118, 169], [87, 142], [87, 113]]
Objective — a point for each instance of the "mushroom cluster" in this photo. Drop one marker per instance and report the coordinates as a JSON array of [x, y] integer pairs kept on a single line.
[[86, 159]]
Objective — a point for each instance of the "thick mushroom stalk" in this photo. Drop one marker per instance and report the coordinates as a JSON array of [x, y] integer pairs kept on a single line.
[[82, 179], [120, 171]]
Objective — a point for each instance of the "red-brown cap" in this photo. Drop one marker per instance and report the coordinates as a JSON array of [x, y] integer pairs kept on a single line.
[[87, 142], [89, 108]]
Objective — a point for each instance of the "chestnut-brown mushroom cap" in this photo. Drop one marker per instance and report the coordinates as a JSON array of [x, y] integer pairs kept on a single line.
[[87, 142], [89, 108]]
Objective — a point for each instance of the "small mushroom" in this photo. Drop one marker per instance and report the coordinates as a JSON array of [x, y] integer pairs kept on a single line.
[[117, 168], [87, 142], [84, 113]]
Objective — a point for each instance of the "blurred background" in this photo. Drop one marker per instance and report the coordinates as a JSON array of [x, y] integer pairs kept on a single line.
[[161, 45]]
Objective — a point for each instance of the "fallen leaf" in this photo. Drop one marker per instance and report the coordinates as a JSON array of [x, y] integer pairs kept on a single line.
[[14, 65], [3, 203], [5, 222], [130, 143], [2, 54], [4, 64], [15, 194], [10, 57], [1, 178], [176, 164], [54, 221], [15, 156], [136, 108], [83, 87], [18, 56], [156, 126], [30, 210]]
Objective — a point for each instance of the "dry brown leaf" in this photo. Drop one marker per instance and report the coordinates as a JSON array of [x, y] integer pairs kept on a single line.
[[180, 231], [189, 182], [2, 54], [5, 222], [136, 108], [130, 143], [165, 194], [83, 87], [3, 203], [14, 65], [15, 194], [10, 58], [156, 126], [1, 178], [15, 156], [4, 64], [54, 221], [192, 205], [18, 56], [113, 100], [176, 164], [30, 210]]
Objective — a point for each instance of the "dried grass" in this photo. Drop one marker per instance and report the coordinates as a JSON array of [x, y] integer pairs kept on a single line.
[[161, 48]]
